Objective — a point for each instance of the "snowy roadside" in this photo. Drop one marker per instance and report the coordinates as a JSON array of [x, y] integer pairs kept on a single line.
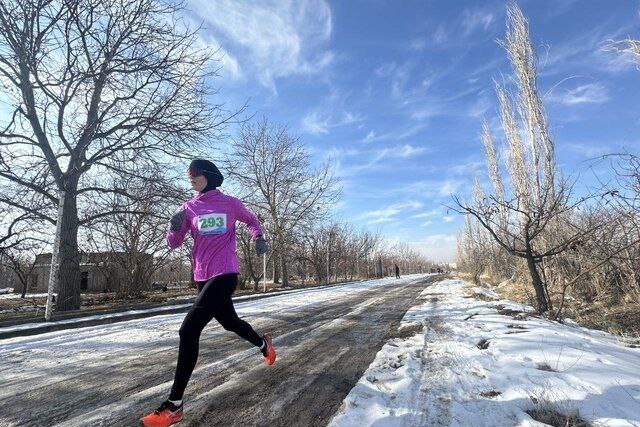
[[460, 362], [92, 320]]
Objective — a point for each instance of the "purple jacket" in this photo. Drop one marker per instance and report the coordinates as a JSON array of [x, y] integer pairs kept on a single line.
[[211, 219]]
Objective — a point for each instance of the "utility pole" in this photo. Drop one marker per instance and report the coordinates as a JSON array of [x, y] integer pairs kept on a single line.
[[264, 267], [264, 272], [328, 265], [326, 280], [53, 273]]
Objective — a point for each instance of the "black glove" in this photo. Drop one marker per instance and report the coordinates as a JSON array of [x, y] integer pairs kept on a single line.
[[177, 220], [261, 246]]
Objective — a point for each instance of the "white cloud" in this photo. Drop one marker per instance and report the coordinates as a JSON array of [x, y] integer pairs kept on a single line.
[[371, 136], [316, 122], [375, 157], [448, 218], [591, 49], [427, 111], [394, 209], [476, 20], [381, 220], [480, 107], [591, 93], [388, 213], [592, 150], [411, 131], [398, 76], [409, 150], [418, 44], [442, 188], [344, 151], [385, 70], [272, 38], [618, 63], [230, 66], [432, 213], [440, 36]]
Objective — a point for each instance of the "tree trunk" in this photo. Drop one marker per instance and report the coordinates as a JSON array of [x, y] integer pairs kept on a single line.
[[69, 258], [276, 270], [285, 270], [537, 284], [319, 269]]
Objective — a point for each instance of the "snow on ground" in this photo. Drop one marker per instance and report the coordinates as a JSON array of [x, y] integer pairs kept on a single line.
[[51, 347], [440, 375], [17, 296], [177, 300]]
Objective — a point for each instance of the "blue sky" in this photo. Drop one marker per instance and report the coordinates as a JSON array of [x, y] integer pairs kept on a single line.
[[393, 93]]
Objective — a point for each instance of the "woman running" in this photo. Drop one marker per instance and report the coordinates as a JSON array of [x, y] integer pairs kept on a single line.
[[210, 218]]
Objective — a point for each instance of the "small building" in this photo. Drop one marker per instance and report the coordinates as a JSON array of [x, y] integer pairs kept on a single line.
[[99, 271]]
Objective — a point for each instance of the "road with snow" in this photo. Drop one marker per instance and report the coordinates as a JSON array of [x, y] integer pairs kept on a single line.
[[111, 375]]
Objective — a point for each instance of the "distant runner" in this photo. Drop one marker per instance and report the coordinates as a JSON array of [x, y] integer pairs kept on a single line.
[[397, 271], [210, 218]]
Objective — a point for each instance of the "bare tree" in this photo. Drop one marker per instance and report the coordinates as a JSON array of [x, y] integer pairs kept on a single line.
[[521, 220], [134, 241], [22, 262], [97, 87], [472, 256], [20, 244], [275, 173], [251, 265]]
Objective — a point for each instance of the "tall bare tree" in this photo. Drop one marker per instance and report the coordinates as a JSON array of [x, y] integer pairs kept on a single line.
[[275, 172], [97, 87], [538, 201]]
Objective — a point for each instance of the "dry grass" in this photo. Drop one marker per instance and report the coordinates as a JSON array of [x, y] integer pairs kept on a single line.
[[622, 319], [616, 318], [552, 417], [548, 407]]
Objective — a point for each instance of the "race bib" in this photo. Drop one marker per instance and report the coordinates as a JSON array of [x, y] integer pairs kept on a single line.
[[213, 223]]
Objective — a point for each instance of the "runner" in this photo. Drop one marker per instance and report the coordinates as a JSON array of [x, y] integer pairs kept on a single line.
[[210, 218]]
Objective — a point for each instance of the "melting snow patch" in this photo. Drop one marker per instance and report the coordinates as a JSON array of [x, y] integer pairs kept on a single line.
[[436, 374], [17, 296]]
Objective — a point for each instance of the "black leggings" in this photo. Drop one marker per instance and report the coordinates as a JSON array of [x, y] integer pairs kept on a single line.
[[214, 301]]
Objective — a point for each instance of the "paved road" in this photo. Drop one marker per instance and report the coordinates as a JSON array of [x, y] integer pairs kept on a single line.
[[325, 340]]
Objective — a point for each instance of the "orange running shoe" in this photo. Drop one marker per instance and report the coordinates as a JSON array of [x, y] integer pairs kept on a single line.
[[270, 352], [167, 414]]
